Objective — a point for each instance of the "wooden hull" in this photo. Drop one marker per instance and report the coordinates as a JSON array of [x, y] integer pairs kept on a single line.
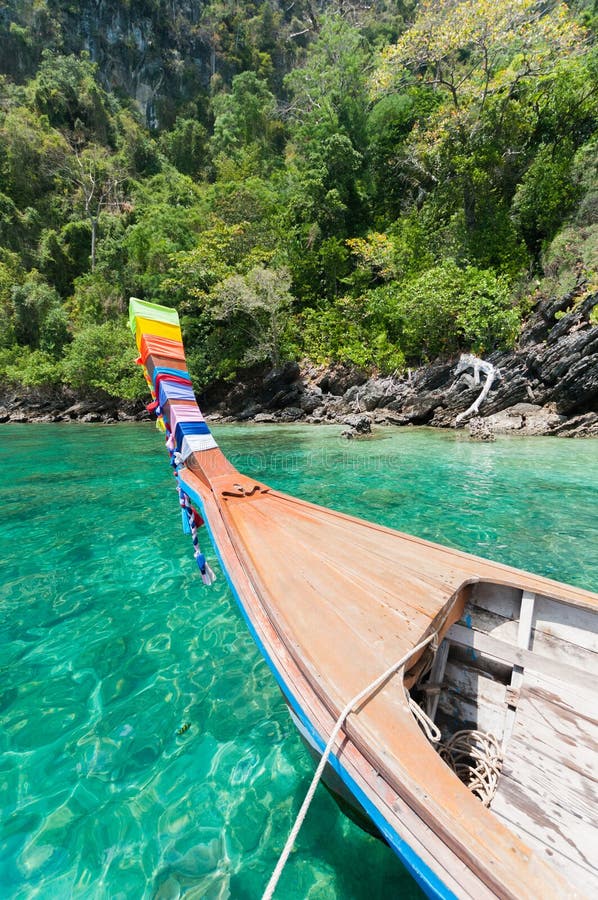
[[332, 601], [449, 842]]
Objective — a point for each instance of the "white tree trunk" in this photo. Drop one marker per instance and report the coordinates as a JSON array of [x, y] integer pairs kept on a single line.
[[468, 361]]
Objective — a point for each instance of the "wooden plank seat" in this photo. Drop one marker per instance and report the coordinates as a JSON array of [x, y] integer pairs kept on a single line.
[[548, 789], [547, 792]]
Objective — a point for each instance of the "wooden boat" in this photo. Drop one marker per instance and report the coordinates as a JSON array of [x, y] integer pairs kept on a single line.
[[507, 809]]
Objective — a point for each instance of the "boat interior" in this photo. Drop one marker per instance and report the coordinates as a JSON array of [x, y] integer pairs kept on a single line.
[[512, 690]]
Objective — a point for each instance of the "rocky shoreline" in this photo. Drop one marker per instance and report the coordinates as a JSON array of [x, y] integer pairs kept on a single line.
[[547, 385]]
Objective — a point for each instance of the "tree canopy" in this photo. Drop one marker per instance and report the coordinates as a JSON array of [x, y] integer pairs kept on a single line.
[[377, 184]]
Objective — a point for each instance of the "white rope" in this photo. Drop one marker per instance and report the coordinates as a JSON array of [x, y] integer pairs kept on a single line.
[[429, 728], [271, 886], [475, 757]]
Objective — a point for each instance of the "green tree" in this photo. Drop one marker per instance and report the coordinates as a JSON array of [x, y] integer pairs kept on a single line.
[[329, 93], [100, 359], [99, 183], [480, 57], [11, 275], [246, 121], [185, 146], [446, 309], [327, 195], [259, 306], [63, 254], [65, 89], [32, 157], [39, 319]]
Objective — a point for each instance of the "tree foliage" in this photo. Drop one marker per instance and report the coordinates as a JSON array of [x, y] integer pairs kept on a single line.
[[378, 183]]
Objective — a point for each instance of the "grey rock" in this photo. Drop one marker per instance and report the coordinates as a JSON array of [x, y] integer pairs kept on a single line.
[[265, 418], [579, 386], [392, 418], [359, 424], [282, 376], [573, 320], [249, 412], [311, 400], [335, 408], [76, 410], [543, 319], [289, 397], [338, 379], [291, 414], [524, 418], [371, 395], [480, 430], [420, 410], [585, 425]]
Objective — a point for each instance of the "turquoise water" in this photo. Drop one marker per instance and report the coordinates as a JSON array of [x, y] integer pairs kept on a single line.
[[109, 643]]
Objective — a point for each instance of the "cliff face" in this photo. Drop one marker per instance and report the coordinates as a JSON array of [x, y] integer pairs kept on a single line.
[[157, 53], [162, 53]]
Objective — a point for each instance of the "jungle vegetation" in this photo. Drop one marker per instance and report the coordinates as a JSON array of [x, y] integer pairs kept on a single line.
[[377, 184]]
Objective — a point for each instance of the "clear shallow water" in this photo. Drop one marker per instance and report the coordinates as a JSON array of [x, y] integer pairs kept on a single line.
[[109, 643]]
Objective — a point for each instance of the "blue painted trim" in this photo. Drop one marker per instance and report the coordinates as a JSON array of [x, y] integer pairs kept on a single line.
[[428, 881]]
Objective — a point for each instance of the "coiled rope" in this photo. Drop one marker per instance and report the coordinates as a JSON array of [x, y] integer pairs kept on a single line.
[[357, 699], [475, 757]]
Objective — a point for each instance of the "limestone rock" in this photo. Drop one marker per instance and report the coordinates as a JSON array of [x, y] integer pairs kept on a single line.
[[291, 414], [524, 418], [582, 426], [480, 430], [359, 425], [249, 412]]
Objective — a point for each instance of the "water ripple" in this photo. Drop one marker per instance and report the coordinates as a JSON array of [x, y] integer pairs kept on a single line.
[[110, 645]]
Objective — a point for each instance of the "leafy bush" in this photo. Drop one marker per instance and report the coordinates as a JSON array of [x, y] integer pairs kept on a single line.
[[257, 308], [101, 357], [31, 368], [447, 309], [96, 299], [571, 260], [342, 333], [545, 193], [40, 321]]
